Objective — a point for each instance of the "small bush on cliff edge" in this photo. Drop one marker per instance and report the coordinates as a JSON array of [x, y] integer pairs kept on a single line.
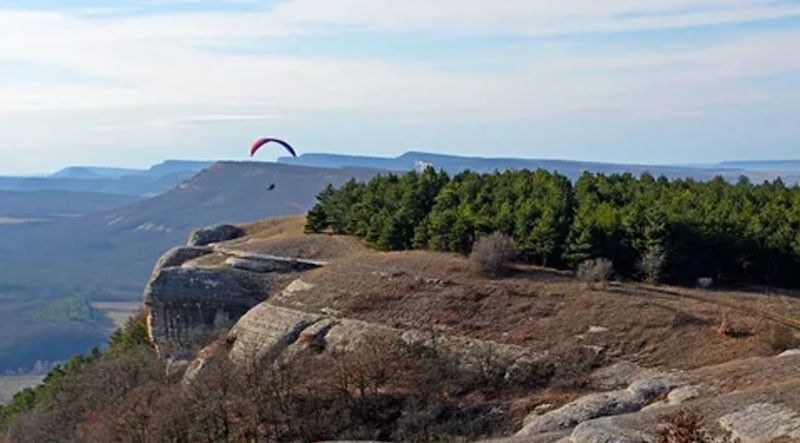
[[130, 336], [491, 254]]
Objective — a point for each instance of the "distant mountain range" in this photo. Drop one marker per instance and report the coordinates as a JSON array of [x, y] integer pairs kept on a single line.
[[789, 171], [139, 182], [764, 165], [92, 172]]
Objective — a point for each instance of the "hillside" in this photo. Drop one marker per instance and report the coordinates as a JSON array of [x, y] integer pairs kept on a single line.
[[45, 205], [756, 171], [551, 357], [352, 343], [108, 255]]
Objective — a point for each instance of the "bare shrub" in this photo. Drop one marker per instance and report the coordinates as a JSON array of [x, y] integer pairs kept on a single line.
[[781, 338], [492, 253], [572, 366], [72, 403], [595, 271], [730, 326], [705, 282], [651, 264], [382, 389], [682, 426]]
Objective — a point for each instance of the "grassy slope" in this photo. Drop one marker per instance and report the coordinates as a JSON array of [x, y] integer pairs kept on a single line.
[[534, 307]]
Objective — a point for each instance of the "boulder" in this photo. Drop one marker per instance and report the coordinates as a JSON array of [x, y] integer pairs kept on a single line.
[[179, 255], [606, 430], [618, 375], [683, 394], [214, 234], [265, 264], [260, 266], [762, 423], [597, 329], [266, 331], [639, 394], [789, 353], [297, 286]]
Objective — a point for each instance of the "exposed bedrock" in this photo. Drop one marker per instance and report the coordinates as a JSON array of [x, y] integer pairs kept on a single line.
[[269, 332], [179, 255], [214, 234], [186, 306]]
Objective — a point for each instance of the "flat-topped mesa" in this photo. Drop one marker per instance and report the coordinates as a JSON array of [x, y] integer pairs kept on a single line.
[[188, 301]]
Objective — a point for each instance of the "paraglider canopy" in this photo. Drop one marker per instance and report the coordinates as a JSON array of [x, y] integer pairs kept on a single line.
[[263, 141]]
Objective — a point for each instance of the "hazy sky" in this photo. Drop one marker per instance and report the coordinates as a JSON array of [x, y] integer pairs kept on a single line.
[[654, 81]]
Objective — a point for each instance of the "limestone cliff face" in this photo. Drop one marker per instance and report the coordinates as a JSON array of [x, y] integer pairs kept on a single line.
[[186, 306], [188, 301]]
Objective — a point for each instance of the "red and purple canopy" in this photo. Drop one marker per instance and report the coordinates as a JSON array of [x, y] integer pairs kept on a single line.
[[263, 141]]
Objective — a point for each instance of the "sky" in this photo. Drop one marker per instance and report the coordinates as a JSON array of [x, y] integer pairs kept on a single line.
[[131, 83]]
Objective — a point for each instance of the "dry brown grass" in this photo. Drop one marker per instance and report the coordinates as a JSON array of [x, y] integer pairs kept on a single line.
[[284, 236], [535, 308], [780, 338]]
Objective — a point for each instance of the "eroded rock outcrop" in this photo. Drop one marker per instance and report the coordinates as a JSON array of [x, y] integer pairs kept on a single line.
[[269, 332], [179, 255], [185, 307], [637, 395], [214, 234], [266, 331], [762, 423], [187, 302], [605, 430]]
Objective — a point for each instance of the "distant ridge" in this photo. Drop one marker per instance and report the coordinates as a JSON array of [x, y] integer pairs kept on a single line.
[[754, 170], [763, 165], [92, 172], [122, 181]]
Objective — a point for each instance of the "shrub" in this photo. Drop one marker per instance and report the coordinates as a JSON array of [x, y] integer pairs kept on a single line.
[[682, 426], [738, 327], [595, 270], [492, 253], [781, 338], [705, 282], [133, 334], [651, 264]]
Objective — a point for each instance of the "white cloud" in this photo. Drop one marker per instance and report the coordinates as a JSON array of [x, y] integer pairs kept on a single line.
[[170, 72], [191, 120], [164, 61], [529, 16]]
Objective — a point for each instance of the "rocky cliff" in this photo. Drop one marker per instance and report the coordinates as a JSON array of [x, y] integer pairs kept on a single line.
[[557, 361], [188, 301]]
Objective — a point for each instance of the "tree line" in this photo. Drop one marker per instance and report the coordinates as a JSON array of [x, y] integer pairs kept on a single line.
[[687, 229]]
